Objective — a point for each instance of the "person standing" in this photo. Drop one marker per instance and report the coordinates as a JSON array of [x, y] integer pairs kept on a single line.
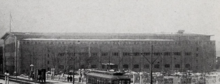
[[71, 78], [68, 78], [6, 77]]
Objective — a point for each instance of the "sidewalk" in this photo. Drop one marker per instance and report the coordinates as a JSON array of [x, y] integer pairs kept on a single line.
[[10, 82], [48, 82], [52, 81]]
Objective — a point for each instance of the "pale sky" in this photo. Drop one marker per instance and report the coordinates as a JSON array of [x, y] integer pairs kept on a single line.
[[112, 16]]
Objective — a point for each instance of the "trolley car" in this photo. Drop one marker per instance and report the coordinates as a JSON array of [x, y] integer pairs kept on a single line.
[[105, 77]]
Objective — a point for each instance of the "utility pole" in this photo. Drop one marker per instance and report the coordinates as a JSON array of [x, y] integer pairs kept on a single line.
[[108, 64], [66, 55], [16, 57], [151, 64], [89, 52], [74, 64], [10, 22], [74, 59], [74, 69]]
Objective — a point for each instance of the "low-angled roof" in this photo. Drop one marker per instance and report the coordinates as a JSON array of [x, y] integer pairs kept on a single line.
[[107, 76], [25, 35]]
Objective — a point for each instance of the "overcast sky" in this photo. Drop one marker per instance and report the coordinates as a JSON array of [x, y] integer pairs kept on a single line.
[[112, 16]]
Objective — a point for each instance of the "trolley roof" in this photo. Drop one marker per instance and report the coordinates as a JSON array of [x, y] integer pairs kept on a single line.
[[108, 76]]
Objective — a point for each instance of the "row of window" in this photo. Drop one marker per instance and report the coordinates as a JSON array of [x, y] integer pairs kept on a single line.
[[135, 66], [126, 66], [108, 42], [128, 54]]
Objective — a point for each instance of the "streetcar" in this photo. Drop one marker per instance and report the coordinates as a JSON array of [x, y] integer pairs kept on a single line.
[[106, 77]]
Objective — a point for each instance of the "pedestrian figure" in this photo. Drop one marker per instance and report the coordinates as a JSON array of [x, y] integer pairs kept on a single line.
[[71, 78], [68, 78], [6, 77], [39, 77], [43, 75], [79, 79], [80, 76]]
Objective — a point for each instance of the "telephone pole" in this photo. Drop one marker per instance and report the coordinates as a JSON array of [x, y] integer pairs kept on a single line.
[[151, 64]]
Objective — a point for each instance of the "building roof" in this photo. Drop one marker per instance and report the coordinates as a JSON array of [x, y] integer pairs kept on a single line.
[[34, 35], [47, 39]]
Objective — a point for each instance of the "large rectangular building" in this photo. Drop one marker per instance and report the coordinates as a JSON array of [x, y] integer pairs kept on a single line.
[[64, 51]]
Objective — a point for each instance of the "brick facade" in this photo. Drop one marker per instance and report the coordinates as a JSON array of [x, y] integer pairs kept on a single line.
[[178, 52]]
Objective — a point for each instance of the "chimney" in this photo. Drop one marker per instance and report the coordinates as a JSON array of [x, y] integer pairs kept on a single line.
[[180, 31]]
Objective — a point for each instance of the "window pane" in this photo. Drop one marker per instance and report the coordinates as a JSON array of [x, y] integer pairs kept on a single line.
[[188, 53], [136, 66], [146, 66], [115, 54], [157, 66], [167, 53], [167, 65], [93, 66], [104, 54], [187, 65], [136, 53], [177, 65], [125, 66], [94, 54], [177, 53], [157, 53], [146, 53]]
